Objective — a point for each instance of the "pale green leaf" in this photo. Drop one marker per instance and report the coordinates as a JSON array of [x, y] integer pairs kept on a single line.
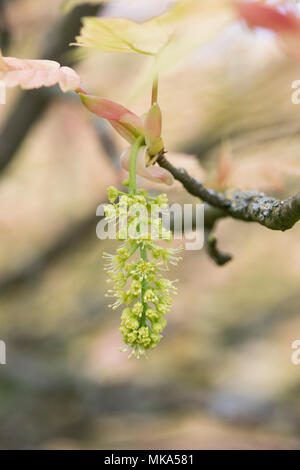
[[122, 35], [187, 24]]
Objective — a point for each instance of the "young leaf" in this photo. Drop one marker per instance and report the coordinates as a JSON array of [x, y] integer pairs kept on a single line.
[[122, 35], [31, 74], [126, 123], [185, 21], [153, 129]]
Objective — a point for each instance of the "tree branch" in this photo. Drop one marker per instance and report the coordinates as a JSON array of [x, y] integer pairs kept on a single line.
[[249, 206]]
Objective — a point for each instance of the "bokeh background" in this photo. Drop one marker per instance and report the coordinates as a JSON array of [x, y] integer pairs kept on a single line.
[[222, 378]]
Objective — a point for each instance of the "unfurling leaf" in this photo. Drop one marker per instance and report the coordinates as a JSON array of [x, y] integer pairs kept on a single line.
[[122, 35], [153, 129], [185, 23], [128, 124], [31, 74]]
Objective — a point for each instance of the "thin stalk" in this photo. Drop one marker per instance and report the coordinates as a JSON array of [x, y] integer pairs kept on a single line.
[[132, 169], [143, 250], [154, 99], [155, 89]]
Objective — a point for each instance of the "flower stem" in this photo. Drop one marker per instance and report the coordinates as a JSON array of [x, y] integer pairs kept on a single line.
[[144, 257], [155, 89], [154, 99], [132, 169]]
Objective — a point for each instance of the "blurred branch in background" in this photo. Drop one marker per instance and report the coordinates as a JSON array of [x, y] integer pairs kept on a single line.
[[32, 104], [4, 27], [65, 242], [214, 137]]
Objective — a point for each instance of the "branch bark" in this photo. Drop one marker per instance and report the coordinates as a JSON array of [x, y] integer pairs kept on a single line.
[[248, 206]]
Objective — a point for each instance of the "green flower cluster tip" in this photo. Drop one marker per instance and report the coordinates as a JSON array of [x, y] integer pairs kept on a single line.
[[136, 270]]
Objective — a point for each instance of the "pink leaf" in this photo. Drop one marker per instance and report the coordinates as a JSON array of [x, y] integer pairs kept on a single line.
[[152, 173], [123, 132], [128, 124], [266, 16], [69, 79], [31, 74]]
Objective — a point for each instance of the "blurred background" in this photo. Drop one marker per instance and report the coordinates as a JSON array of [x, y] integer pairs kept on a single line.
[[222, 378]]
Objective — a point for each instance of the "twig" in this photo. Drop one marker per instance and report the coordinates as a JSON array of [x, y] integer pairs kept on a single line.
[[210, 243], [249, 206]]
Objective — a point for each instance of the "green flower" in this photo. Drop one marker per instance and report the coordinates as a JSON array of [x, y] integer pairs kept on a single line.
[[162, 200], [152, 314], [150, 296], [137, 309], [113, 194], [136, 272], [136, 288], [159, 325]]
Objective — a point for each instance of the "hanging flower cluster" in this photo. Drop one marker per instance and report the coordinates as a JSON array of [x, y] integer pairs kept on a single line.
[[136, 270]]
